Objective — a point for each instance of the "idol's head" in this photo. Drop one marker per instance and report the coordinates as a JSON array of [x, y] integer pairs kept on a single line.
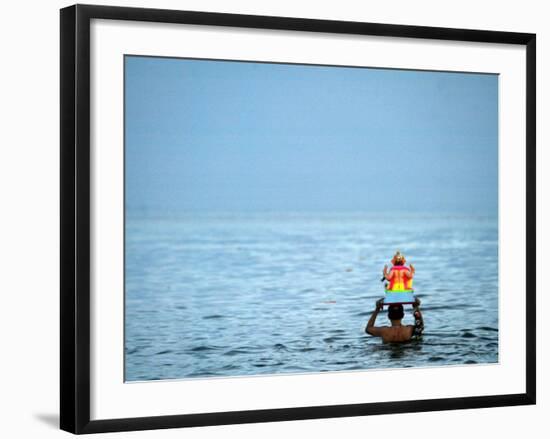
[[398, 259]]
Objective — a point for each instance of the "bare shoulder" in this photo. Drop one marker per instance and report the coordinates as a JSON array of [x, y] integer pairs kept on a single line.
[[377, 331]]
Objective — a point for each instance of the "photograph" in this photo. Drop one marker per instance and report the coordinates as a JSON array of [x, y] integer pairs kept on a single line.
[[288, 218], [274, 219]]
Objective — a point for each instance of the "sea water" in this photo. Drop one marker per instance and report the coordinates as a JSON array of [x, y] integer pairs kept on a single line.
[[269, 293]]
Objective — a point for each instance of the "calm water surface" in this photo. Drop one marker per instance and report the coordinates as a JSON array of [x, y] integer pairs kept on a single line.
[[229, 295]]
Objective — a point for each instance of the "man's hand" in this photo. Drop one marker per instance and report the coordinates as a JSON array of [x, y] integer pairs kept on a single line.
[[385, 270], [416, 302], [412, 268], [371, 329]]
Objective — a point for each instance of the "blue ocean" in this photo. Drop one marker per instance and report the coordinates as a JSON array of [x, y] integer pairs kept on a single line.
[[222, 294]]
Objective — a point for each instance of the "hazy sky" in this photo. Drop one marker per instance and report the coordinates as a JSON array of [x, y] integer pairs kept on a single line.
[[234, 136]]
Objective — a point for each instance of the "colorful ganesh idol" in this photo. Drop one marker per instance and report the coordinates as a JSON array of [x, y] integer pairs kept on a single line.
[[399, 288]]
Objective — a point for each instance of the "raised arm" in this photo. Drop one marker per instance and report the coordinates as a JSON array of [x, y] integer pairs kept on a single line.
[[411, 271], [418, 319], [387, 275], [371, 329]]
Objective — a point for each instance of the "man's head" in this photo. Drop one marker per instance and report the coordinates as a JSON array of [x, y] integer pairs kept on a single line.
[[398, 259], [395, 312]]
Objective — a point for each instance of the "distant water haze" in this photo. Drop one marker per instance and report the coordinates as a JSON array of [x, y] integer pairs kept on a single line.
[[244, 136]]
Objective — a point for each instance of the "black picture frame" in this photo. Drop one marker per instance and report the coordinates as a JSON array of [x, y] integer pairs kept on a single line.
[[75, 217]]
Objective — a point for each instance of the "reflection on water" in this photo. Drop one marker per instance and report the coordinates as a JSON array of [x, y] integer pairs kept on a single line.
[[226, 295]]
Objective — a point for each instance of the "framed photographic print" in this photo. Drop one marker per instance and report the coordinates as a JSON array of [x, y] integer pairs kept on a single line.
[[274, 218]]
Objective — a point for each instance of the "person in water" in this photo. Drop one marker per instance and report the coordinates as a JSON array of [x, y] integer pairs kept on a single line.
[[397, 332], [399, 277]]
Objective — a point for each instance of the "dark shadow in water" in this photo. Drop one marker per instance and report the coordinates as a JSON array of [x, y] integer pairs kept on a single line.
[[397, 350], [49, 419]]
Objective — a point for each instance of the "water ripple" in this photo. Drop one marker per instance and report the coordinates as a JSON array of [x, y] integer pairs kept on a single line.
[[230, 295]]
